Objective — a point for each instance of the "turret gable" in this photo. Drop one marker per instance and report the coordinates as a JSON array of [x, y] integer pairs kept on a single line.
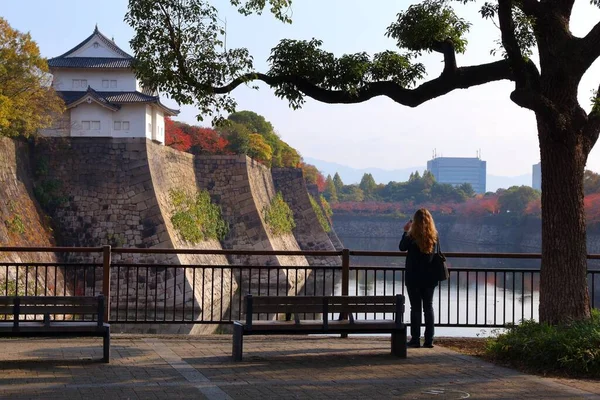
[[95, 51]]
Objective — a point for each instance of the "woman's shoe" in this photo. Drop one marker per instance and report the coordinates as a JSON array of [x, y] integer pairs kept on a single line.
[[413, 344]]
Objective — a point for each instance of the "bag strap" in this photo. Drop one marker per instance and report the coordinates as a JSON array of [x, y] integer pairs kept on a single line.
[[439, 248]]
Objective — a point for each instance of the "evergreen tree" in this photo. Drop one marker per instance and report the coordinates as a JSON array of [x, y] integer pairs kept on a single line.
[[330, 190], [337, 181]]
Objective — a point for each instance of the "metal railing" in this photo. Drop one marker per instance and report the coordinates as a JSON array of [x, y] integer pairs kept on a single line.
[[169, 293]]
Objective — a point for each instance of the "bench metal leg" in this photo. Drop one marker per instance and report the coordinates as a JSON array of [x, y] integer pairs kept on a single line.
[[106, 357], [399, 343], [238, 342]]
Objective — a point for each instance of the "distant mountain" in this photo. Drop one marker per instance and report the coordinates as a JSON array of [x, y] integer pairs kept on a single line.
[[351, 175]]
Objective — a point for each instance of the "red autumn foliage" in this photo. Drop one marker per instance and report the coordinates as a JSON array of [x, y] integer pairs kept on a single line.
[[208, 141], [193, 139], [321, 184], [592, 208], [175, 137]]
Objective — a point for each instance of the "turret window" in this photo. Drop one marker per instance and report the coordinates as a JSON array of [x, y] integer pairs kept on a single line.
[[93, 125], [121, 125], [79, 83], [109, 83]]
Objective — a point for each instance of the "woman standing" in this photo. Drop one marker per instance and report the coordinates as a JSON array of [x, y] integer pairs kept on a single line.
[[419, 240]]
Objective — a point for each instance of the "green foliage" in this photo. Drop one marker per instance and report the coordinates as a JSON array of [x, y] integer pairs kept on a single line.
[[523, 29], [351, 193], [48, 193], [279, 8], [195, 217], [572, 348], [326, 207], [349, 73], [320, 214], [337, 181], [368, 185], [516, 198], [254, 122], [422, 26], [330, 190], [189, 35], [27, 102], [15, 224], [279, 216], [237, 135]]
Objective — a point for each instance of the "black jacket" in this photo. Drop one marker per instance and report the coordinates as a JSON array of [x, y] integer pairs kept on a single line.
[[418, 265]]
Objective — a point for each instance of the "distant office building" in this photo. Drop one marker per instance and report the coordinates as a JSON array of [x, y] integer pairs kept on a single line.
[[459, 170], [537, 176]]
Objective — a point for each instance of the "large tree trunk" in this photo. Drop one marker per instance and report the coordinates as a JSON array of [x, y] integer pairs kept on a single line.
[[563, 283]]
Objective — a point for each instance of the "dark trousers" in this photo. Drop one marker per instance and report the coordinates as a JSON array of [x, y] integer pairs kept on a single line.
[[421, 301]]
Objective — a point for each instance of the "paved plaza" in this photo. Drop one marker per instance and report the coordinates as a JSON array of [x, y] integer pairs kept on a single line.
[[274, 367]]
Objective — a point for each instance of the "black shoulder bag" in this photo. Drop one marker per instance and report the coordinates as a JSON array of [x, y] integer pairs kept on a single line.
[[440, 269]]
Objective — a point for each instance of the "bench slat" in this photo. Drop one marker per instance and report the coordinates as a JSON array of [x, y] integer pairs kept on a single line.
[[287, 300], [362, 308], [283, 309], [28, 310], [258, 300], [57, 300]]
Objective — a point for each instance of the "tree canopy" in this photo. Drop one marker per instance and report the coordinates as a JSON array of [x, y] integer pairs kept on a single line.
[[27, 101], [180, 49]]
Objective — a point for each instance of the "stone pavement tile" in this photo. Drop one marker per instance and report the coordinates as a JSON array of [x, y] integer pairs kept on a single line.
[[184, 367]]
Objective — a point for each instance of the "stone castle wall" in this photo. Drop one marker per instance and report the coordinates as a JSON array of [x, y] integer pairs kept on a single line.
[[116, 192], [308, 231], [22, 224], [243, 188]]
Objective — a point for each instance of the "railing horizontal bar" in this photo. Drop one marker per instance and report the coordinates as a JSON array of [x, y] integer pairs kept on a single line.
[[29, 264], [228, 252], [362, 253], [52, 249]]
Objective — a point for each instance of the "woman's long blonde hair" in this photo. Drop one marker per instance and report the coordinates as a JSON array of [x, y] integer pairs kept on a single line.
[[423, 231]]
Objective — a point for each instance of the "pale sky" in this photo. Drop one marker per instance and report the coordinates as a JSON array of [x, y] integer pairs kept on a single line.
[[378, 133]]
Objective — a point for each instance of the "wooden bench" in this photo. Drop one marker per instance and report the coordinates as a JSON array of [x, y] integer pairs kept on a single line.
[[19, 307], [323, 306]]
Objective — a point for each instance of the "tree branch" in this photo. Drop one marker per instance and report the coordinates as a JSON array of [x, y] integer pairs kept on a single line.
[[447, 49], [461, 78], [529, 7], [590, 46], [510, 43], [592, 127]]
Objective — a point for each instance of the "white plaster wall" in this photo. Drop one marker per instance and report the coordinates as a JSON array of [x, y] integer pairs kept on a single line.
[[136, 115], [91, 112], [149, 128], [160, 126], [126, 82], [88, 50]]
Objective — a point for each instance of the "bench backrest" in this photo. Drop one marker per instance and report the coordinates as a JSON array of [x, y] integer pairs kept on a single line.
[[48, 305], [345, 305]]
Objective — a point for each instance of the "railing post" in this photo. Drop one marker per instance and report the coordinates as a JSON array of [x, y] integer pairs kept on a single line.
[[345, 280], [106, 280], [345, 271]]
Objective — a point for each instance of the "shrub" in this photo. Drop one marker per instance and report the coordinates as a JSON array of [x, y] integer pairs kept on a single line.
[[572, 349], [196, 218], [320, 214], [15, 225], [279, 216]]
